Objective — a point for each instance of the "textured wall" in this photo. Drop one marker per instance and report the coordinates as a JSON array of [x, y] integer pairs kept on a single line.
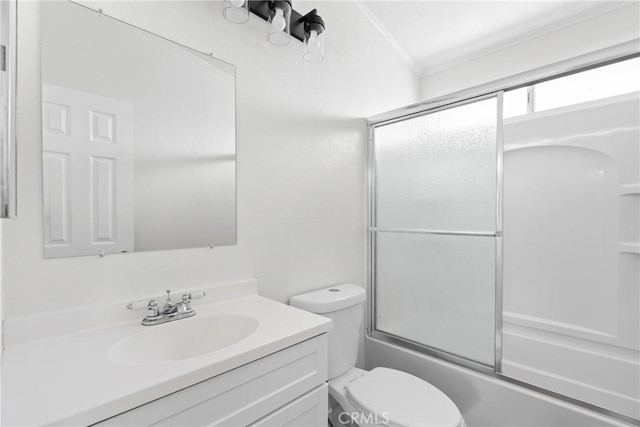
[[300, 147]]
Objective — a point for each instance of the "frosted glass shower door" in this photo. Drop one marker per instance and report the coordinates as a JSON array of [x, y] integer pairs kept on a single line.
[[434, 229]]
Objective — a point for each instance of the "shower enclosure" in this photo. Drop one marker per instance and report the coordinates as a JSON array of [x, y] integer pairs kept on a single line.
[[504, 230]]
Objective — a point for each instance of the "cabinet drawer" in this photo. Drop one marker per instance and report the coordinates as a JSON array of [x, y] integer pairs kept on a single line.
[[240, 396], [309, 410]]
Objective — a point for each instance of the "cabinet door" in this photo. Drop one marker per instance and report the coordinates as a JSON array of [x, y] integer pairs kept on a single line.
[[241, 396], [306, 411]]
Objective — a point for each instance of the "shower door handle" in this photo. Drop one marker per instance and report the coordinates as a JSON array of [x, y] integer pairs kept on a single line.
[[437, 232]]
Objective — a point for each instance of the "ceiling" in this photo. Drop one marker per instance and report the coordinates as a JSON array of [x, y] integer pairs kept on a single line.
[[435, 35]]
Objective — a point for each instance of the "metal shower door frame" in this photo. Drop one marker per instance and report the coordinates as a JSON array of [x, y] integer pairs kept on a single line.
[[373, 230]]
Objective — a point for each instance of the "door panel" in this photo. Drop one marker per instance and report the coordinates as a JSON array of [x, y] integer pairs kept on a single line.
[[435, 229], [438, 291], [438, 171], [88, 165]]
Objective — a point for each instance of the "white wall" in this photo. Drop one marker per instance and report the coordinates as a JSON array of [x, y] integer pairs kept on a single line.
[[617, 26], [300, 149]]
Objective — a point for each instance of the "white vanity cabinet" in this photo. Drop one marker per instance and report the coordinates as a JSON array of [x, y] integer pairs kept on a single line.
[[287, 387], [274, 376]]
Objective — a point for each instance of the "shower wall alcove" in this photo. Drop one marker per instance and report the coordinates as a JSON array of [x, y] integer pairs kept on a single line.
[[511, 245], [571, 251]]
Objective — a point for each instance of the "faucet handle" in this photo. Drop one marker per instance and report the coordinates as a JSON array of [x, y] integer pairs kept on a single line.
[[138, 305], [151, 306], [197, 294], [186, 299]]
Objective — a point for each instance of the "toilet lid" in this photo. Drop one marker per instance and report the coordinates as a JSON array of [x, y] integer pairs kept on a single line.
[[402, 399]]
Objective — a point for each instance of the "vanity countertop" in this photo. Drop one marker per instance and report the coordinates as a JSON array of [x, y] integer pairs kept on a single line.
[[68, 379]]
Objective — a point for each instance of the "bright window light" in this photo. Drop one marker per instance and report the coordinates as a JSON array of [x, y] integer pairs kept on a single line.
[[602, 82], [514, 103]]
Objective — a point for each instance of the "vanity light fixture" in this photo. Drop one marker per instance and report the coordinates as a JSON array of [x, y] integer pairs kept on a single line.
[[284, 22]]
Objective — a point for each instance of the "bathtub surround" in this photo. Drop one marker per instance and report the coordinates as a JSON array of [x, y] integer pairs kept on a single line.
[[483, 400], [581, 163]]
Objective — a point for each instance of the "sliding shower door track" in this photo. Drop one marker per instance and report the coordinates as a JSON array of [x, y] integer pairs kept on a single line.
[[418, 347]]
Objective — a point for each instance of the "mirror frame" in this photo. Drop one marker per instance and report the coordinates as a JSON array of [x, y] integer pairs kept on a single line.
[[8, 37]]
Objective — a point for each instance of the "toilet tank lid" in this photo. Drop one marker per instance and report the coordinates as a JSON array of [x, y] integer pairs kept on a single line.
[[329, 299]]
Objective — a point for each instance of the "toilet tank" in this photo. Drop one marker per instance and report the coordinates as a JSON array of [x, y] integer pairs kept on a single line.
[[344, 305]]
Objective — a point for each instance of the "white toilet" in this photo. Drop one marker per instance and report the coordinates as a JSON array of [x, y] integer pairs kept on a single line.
[[382, 396]]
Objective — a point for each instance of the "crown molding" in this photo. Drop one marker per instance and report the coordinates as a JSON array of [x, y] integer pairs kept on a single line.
[[531, 35], [371, 17], [422, 71]]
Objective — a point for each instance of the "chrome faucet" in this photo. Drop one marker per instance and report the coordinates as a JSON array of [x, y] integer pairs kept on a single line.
[[169, 311]]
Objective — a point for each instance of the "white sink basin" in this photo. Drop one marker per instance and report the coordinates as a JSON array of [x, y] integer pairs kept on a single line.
[[181, 339]]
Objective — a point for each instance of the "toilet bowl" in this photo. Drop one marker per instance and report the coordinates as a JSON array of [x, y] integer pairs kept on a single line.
[[382, 396]]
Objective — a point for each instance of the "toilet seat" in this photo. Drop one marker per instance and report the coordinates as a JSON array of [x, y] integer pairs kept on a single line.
[[401, 400]]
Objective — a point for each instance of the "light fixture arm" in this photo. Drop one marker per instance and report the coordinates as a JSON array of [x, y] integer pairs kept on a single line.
[[313, 22], [261, 8]]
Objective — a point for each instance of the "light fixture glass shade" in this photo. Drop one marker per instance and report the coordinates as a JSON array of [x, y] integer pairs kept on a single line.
[[279, 25], [313, 46], [236, 11]]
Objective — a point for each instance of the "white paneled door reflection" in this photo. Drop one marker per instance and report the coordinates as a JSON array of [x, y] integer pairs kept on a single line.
[[434, 228], [88, 173]]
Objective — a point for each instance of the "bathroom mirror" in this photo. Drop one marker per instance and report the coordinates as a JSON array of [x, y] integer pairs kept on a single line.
[[138, 139]]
